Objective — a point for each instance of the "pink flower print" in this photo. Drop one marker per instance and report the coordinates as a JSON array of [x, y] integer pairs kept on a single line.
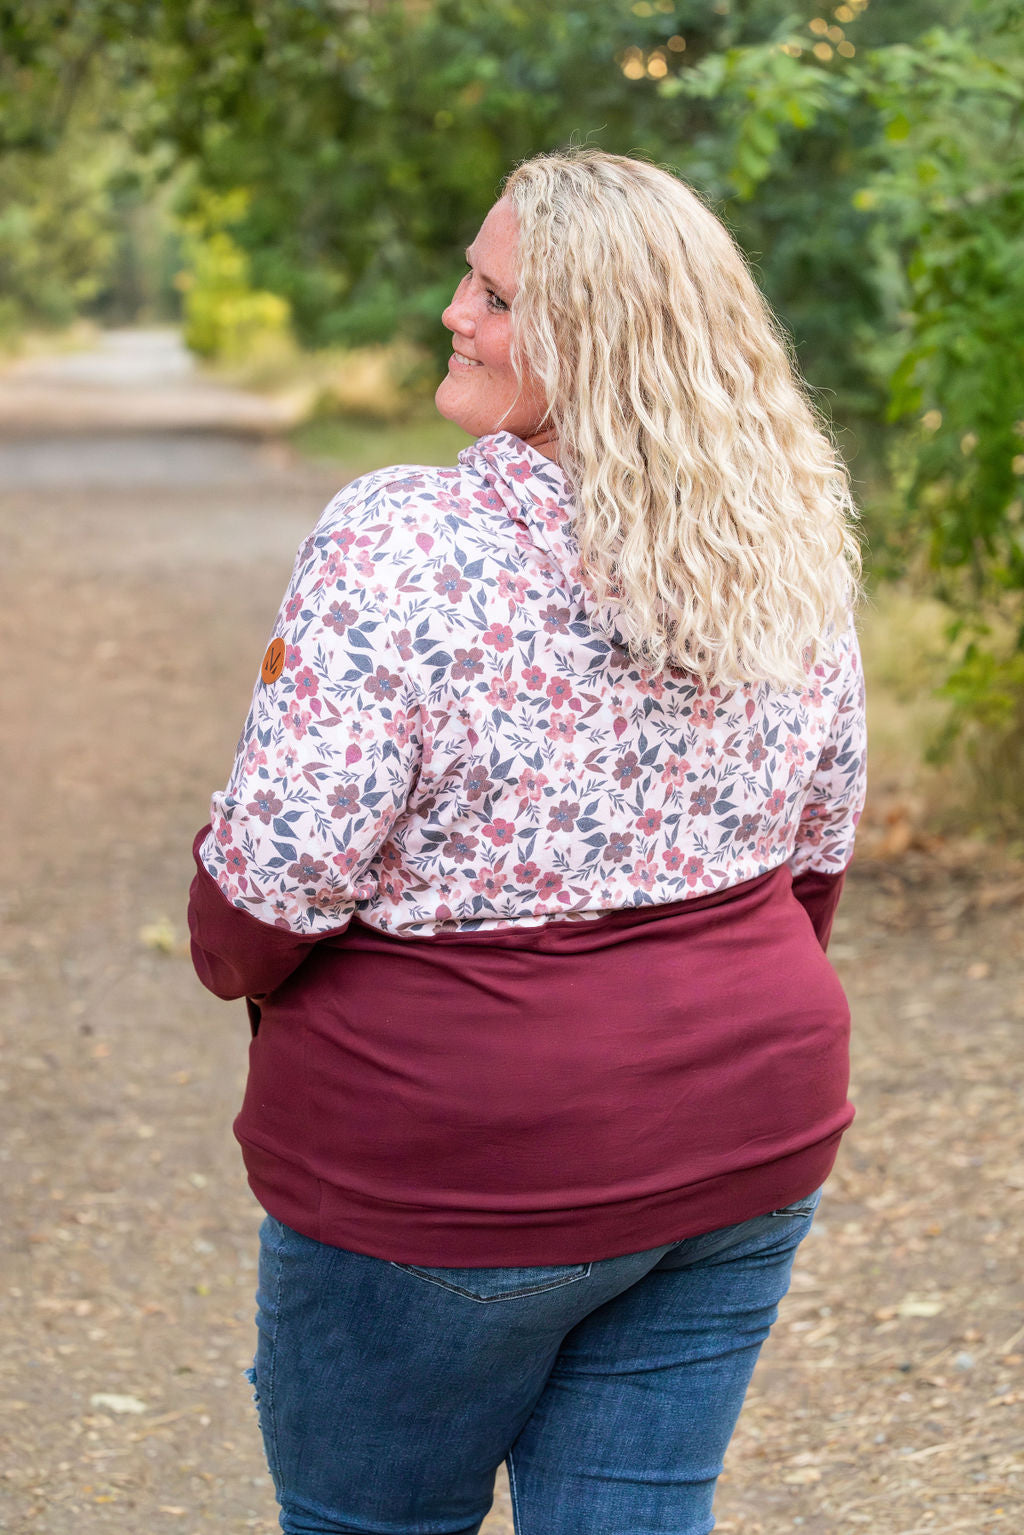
[[644, 875], [306, 684], [746, 831], [344, 799], [649, 822], [775, 801], [392, 887], [548, 883], [460, 846], [344, 538], [399, 728], [383, 684], [339, 616], [514, 588], [519, 471], [531, 785], [390, 857], [562, 817], [255, 757], [828, 757], [403, 644], [501, 833], [672, 857], [234, 863], [292, 657], [693, 868], [757, 752], [556, 619], [451, 584], [297, 720], [486, 883], [702, 800], [488, 499], [619, 844], [559, 691], [796, 750], [551, 514], [500, 636], [534, 678], [467, 715], [365, 566], [526, 873], [502, 693], [265, 805], [703, 712], [675, 770], [467, 664], [224, 833], [627, 769], [347, 860], [476, 783], [651, 683], [293, 607], [562, 728], [307, 870]]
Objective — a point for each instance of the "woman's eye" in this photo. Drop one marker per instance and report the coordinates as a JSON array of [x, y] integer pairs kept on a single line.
[[497, 304]]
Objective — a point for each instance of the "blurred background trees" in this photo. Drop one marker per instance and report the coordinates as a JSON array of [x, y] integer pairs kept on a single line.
[[310, 171]]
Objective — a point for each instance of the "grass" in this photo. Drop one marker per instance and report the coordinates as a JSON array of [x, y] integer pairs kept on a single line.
[[362, 445], [973, 792]]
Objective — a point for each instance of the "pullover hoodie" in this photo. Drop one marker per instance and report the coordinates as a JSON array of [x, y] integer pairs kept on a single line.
[[451, 765]]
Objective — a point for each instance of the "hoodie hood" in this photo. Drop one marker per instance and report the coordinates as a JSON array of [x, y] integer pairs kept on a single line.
[[539, 500]]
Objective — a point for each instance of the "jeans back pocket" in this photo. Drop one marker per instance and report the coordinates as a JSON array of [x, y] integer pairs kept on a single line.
[[493, 1284]]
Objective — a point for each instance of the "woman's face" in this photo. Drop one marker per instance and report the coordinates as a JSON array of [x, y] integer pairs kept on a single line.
[[480, 392]]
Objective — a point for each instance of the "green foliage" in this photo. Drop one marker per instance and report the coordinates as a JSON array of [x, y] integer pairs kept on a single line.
[[225, 317], [373, 139], [56, 240], [922, 141], [947, 193], [74, 191]]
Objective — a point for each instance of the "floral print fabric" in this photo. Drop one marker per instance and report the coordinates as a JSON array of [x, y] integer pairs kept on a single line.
[[455, 739]]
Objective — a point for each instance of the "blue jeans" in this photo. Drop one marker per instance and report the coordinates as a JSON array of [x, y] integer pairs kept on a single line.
[[389, 1394]]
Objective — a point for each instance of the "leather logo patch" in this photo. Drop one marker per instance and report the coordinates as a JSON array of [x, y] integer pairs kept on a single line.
[[273, 661]]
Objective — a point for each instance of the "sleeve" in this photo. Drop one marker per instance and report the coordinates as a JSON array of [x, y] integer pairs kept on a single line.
[[833, 804], [326, 762]]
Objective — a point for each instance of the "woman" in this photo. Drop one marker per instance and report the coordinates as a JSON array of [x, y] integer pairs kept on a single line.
[[528, 859]]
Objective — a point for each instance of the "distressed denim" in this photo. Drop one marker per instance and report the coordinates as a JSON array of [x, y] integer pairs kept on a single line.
[[390, 1393]]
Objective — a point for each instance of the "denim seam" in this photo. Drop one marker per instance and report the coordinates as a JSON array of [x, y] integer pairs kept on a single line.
[[510, 1463], [487, 1300], [275, 1466]]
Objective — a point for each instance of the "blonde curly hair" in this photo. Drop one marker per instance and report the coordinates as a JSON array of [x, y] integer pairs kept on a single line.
[[712, 511]]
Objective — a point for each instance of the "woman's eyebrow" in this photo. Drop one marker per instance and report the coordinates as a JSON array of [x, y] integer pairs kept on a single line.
[[489, 282]]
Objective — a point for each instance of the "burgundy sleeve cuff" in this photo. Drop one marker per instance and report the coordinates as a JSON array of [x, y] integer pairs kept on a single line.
[[819, 894], [234, 953]]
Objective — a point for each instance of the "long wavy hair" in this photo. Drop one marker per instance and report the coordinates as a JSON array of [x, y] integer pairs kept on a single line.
[[712, 510]]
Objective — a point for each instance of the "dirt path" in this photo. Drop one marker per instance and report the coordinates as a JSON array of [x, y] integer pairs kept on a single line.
[[140, 578]]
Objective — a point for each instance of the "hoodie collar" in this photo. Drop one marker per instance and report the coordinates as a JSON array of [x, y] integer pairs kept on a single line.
[[536, 495]]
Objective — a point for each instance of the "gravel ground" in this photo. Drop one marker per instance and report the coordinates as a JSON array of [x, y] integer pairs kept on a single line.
[[140, 579]]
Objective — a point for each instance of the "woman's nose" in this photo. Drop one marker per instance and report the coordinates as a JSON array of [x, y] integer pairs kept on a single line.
[[458, 316]]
